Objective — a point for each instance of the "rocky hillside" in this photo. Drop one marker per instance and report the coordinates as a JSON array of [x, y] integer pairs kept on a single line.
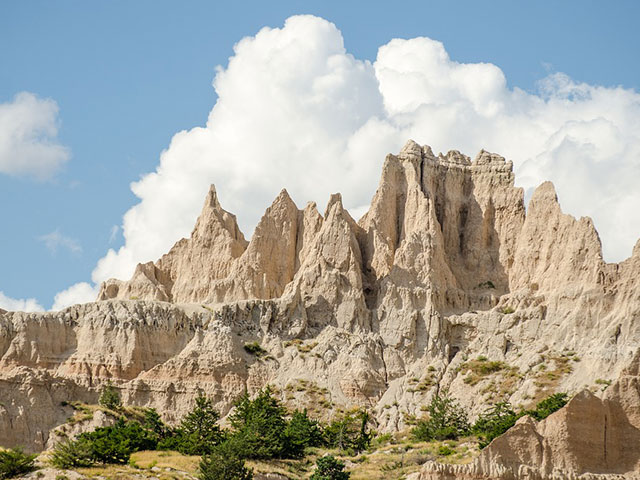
[[447, 282]]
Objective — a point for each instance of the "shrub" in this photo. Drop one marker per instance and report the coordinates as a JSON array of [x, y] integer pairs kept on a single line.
[[115, 444], [154, 423], [350, 433], [301, 432], [501, 417], [494, 422], [447, 421], [254, 348], [198, 432], [549, 405], [329, 468], [445, 450], [15, 462], [259, 425], [201, 428], [109, 397], [225, 462], [71, 454], [107, 446], [383, 439]]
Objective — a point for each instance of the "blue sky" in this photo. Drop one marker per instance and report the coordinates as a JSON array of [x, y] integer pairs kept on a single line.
[[127, 76]]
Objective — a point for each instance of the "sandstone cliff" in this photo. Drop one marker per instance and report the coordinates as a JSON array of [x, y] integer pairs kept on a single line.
[[446, 267]]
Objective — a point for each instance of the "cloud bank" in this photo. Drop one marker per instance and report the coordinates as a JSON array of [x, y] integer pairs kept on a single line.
[[296, 110], [19, 305], [28, 137], [79, 293]]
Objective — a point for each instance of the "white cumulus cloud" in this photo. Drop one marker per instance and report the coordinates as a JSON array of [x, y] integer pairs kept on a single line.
[[28, 137], [79, 293], [19, 305], [296, 110]]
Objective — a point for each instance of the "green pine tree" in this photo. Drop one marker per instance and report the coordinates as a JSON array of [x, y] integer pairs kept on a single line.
[[71, 454], [200, 429], [259, 425], [447, 421], [329, 468], [14, 462], [301, 432], [224, 463], [109, 397]]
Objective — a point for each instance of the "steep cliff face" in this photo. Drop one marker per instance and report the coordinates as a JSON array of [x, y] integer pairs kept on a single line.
[[445, 267]]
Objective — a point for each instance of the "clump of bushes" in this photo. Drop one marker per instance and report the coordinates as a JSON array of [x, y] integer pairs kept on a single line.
[[71, 454], [445, 450], [549, 405], [500, 417], [113, 444], [254, 348], [224, 463], [494, 422], [15, 462], [109, 397], [198, 432], [329, 468], [350, 433], [446, 421], [482, 367], [260, 428]]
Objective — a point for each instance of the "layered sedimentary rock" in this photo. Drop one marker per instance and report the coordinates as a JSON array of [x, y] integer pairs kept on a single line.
[[187, 273], [445, 267], [589, 438]]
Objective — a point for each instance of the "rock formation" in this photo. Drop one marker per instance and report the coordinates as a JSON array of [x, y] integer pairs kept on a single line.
[[590, 437], [445, 267]]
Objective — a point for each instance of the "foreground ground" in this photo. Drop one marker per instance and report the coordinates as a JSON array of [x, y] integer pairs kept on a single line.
[[389, 458]]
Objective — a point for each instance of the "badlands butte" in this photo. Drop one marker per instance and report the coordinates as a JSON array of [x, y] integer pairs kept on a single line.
[[446, 267]]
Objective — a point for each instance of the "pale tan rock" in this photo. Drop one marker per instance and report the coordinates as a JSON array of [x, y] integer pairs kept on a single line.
[[273, 255], [188, 271], [445, 267], [589, 438], [69, 431], [555, 248]]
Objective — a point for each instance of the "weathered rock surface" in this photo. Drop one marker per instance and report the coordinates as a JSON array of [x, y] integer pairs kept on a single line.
[[446, 266], [188, 271], [590, 437]]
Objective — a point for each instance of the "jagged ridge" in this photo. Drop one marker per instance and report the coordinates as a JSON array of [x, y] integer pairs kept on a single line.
[[426, 278]]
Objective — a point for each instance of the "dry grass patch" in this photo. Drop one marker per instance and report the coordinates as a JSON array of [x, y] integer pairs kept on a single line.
[[170, 466], [303, 393], [480, 368], [548, 375], [167, 459]]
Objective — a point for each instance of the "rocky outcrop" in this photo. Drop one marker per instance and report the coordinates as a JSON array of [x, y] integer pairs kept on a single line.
[[445, 267], [187, 273], [554, 248], [589, 438]]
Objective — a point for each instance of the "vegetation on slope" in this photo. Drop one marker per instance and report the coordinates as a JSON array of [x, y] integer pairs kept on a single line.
[[264, 437]]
